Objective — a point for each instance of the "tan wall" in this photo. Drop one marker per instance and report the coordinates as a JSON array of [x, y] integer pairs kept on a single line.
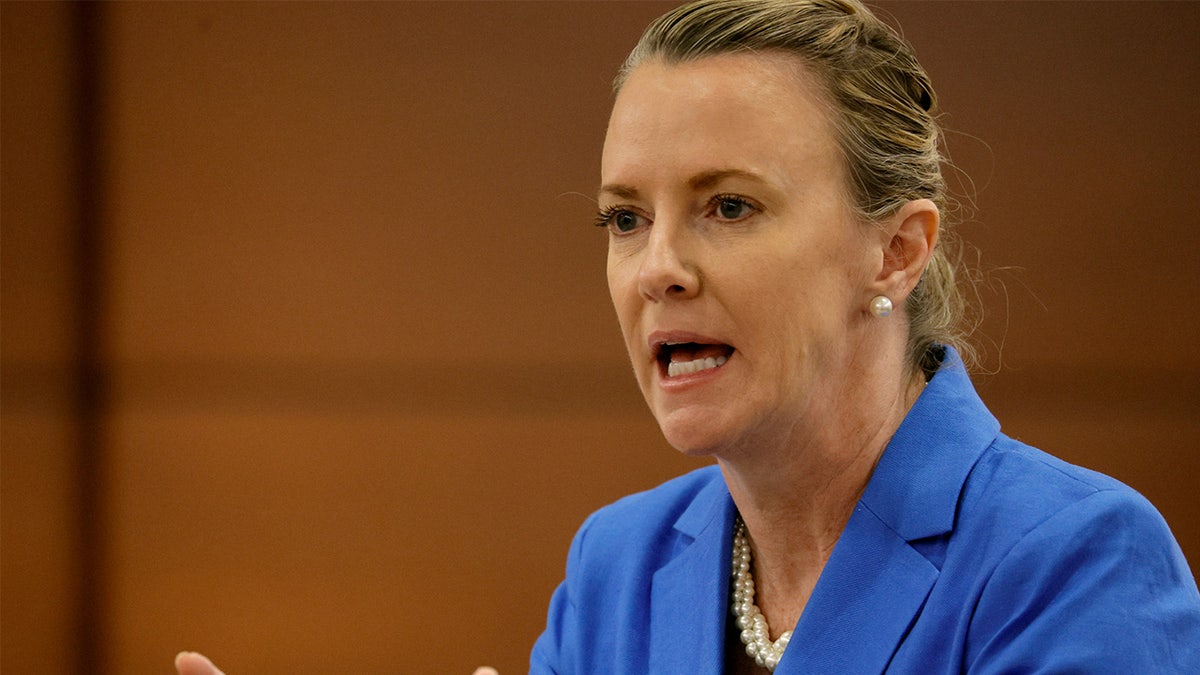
[[360, 377]]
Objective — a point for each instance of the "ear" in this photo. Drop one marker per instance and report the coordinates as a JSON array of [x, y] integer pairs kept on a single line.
[[908, 238]]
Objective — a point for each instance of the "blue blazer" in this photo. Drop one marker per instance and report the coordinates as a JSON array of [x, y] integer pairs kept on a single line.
[[968, 552]]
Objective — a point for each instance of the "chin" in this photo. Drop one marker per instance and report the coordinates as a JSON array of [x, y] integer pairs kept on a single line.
[[691, 437]]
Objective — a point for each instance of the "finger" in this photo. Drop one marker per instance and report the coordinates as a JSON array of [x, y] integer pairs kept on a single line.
[[486, 670], [194, 663]]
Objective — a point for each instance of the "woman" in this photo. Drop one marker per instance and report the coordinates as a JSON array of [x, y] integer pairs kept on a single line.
[[771, 185]]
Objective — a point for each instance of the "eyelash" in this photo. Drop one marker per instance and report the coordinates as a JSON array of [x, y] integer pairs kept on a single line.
[[717, 200], [605, 217], [606, 214]]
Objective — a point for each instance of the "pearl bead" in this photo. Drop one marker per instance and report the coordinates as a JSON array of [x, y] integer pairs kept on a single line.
[[755, 633]]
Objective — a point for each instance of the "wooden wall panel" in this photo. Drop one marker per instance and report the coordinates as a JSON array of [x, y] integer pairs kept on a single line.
[[313, 542], [366, 381], [38, 608], [38, 436], [1070, 119], [394, 182]]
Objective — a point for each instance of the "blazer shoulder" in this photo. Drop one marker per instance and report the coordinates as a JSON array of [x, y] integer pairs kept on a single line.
[[1088, 570], [1011, 473], [1015, 490]]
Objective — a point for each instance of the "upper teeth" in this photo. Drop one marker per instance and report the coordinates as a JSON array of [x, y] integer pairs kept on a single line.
[[686, 367]]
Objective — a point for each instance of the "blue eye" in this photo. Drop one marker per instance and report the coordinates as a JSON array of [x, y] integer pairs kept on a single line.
[[732, 208], [619, 221], [624, 221]]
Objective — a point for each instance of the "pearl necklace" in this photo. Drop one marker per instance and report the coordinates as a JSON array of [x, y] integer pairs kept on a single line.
[[756, 635]]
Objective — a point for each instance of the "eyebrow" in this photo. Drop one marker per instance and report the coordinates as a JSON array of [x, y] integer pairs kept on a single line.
[[619, 191], [700, 181], [708, 179]]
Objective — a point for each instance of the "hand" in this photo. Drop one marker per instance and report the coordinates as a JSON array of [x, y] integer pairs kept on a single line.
[[192, 663]]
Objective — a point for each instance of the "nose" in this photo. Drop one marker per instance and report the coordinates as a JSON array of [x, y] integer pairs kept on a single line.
[[666, 271]]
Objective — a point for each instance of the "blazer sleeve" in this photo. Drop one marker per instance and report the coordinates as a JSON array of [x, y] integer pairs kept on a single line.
[[555, 651], [1099, 587], [547, 655]]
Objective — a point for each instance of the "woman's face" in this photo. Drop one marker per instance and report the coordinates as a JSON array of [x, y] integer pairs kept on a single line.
[[738, 271]]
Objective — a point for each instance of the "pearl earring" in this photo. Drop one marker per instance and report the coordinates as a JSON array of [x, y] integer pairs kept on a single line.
[[881, 306]]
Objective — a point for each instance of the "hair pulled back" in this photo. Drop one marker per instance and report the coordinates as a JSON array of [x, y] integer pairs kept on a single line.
[[883, 110]]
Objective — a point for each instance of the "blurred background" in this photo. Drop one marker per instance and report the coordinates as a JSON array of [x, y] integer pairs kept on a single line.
[[308, 359]]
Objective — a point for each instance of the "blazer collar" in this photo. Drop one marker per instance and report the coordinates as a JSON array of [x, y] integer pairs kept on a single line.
[[876, 581], [916, 485]]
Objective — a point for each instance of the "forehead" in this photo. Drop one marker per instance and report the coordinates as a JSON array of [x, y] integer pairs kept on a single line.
[[763, 112]]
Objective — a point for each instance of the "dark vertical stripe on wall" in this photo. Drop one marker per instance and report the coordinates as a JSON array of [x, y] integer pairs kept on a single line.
[[91, 385]]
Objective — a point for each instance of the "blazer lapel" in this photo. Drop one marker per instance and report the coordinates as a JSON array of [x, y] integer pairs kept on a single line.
[[687, 607], [871, 589]]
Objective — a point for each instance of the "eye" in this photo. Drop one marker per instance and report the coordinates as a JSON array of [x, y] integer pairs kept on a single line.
[[732, 207], [619, 220]]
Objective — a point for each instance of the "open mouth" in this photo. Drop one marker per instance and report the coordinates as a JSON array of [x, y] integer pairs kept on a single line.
[[685, 358]]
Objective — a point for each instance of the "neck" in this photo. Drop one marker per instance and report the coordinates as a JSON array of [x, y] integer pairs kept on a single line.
[[796, 495]]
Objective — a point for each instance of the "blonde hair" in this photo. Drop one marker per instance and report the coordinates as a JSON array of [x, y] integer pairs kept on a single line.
[[883, 105]]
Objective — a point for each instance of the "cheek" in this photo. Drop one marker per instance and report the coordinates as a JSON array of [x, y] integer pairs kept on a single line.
[[615, 286], [804, 309], [623, 295]]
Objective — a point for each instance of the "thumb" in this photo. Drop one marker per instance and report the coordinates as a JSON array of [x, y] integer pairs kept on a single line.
[[485, 670], [194, 663]]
